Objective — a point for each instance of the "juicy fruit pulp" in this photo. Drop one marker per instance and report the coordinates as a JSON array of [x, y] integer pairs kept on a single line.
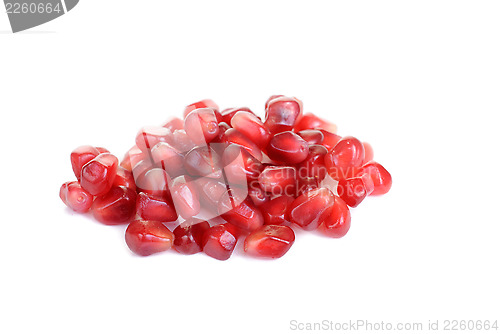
[[215, 177], [271, 241], [146, 237]]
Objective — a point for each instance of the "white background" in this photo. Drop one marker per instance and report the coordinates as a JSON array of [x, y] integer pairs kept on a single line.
[[419, 80]]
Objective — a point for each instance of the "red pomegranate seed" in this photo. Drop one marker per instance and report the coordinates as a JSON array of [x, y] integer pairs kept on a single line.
[[221, 137], [311, 121], [102, 150], [227, 114], [210, 191], [154, 182], [353, 190], [314, 164], [218, 115], [75, 197], [330, 139], [219, 241], [277, 210], [368, 152], [80, 156], [115, 207], [174, 124], [244, 215], [233, 136], [168, 158], [343, 161], [272, 97], [99, 174], [239, 165], [278, 180], [150, 207], [181, 141], [381, 178], [189, 236], [132, 158], [270, 241], [282, 113], [337, 224], [306, 184], [207, 103], [145, 237], [203, 161], [256, 194], [251, 127], [312, 137], [202, 126], [149, 136], [141, 168], [287, 147], [124, 178], [311, 209], [185, 197]]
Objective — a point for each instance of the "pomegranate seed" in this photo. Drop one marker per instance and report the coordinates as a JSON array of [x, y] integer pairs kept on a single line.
[[368, 152], [239, 165], [207, 103], [99, 173], [75, 197], [149, 136], [314, 164], [353, 190], [185, 197], [115, 207], [219, 241], [272, 97], [270, 241], [210, 191], [251, 127], [306, 184], [221, 137], [80, 156], [311, 121], [330, 139], [311, 209], [381, 178], [256, 194], [203, 161], [168, 158], [227, 114], [189, 236], [150, 207], [174, 124], [244, 215], [277, 210], [101, 150], [337, 224], [282, 113], [201, 126], [145, 237], [343, 161], [278, 180], [233, 136], [132, 158], [141, 168], [312, 137], [124, 178], [181, 141], [287, 147], [154, 182]]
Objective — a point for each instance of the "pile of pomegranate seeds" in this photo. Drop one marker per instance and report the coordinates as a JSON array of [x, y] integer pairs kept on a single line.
[[202, 183]]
